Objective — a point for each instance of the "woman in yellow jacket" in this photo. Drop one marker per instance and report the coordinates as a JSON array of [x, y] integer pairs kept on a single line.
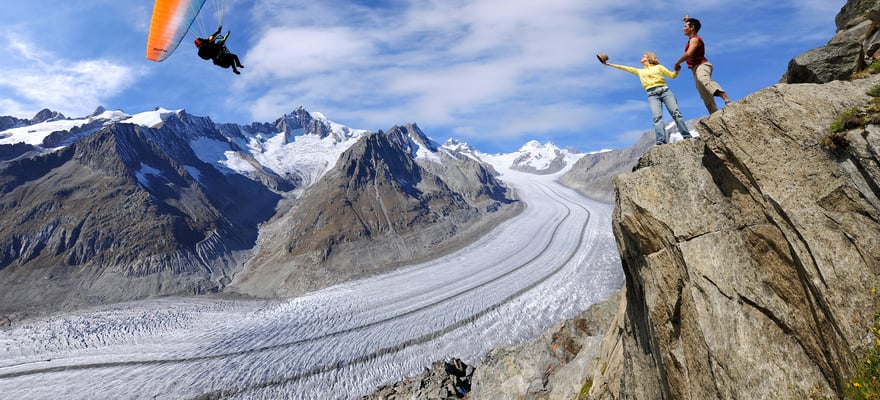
[[652, 76]]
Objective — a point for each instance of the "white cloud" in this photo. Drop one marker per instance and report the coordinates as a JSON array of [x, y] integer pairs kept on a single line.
[[428, 61], [291, 52], [438, 93], [550, 118], [72, 87]]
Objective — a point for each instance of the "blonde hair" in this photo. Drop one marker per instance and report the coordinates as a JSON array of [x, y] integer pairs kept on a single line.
[[652, 58]]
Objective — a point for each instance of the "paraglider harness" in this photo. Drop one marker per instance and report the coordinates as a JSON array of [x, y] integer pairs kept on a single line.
[[209, 49]]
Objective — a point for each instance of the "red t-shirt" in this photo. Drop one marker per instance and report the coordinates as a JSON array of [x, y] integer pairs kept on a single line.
[[699, 56]]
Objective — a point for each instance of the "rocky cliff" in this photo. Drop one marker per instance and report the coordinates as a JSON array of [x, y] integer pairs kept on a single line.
[[855, 45], [751, 254]]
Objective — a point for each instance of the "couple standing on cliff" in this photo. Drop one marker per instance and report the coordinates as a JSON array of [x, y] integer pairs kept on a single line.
[[651, 75]]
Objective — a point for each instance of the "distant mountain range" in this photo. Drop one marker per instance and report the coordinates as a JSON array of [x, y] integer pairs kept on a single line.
[[118, 206]]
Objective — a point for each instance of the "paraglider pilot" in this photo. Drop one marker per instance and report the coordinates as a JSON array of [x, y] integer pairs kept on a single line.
[[214, 48]]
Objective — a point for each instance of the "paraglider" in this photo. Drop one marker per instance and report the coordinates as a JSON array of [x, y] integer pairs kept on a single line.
[[214, 48], [171, 21]]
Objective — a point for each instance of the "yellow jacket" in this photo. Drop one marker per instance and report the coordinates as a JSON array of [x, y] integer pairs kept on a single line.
[[651, 76]]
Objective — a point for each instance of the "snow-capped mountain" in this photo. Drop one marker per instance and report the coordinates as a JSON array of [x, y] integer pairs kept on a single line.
[[125, 206], [533, 157], [543, 159], [393, 190], [297, 145], [459, 147]]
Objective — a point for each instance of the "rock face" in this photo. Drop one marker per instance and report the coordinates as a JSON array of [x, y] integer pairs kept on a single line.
[[852, 13], [750, 253], [846, 53], [834, 61]]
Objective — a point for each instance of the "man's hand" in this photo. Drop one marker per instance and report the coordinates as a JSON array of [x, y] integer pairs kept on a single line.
[[677, 67]]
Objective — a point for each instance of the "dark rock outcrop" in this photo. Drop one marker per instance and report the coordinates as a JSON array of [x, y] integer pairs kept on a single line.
[[46, 115], [834, 61], [7, 122], [846, 53], [444, 380], [853, 12]]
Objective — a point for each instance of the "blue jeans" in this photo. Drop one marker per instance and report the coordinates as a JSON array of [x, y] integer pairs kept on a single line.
[[662, 95]]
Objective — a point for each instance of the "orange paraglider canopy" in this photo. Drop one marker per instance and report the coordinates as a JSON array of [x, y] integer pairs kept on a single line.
[[170, 22]]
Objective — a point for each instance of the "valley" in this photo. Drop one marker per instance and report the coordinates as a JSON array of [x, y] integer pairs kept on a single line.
[[542, 266]]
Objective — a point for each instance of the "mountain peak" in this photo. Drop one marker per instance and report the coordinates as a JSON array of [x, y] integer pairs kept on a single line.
[[46, 115], [534, 145], [303, 122], [543, 159], [416, 143], [98, 111], [457, 145]]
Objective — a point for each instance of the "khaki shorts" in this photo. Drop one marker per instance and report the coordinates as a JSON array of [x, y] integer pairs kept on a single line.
[[706, 87]]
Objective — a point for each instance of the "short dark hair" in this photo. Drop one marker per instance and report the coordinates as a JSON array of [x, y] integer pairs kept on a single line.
[[694, 23]]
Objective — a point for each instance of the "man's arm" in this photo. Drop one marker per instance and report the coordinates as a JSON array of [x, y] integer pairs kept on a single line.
[[692, 47]]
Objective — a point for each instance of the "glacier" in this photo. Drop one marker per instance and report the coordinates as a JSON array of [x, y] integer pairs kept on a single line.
[[545, 265]]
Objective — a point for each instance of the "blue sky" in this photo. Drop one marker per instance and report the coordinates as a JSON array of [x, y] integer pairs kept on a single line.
[[493, 73]]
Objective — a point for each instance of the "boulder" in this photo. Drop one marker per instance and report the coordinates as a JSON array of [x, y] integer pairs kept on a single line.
[[845, 54], [834, 61]]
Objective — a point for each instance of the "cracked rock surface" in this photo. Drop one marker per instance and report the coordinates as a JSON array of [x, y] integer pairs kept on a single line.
[[750, 253]]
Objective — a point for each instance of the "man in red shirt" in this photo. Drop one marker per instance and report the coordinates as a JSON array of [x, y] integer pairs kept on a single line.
[[695, 56]]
